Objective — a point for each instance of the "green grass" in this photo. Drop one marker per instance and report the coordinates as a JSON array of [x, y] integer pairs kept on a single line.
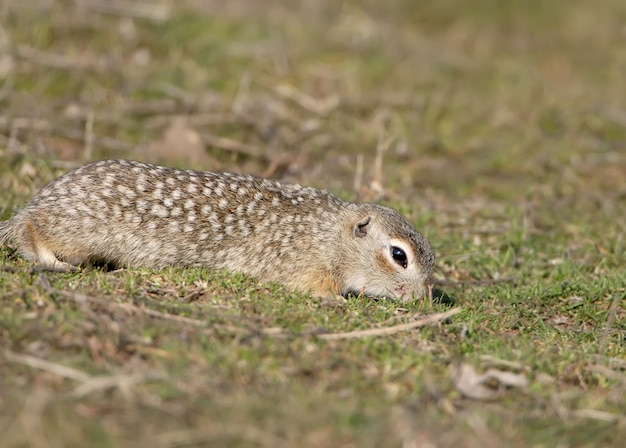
[[504, 131]]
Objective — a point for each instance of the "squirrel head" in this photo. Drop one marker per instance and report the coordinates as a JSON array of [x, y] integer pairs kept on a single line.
[[388, 256]]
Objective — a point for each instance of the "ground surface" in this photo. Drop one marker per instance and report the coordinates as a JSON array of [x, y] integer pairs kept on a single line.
[[498, 128]]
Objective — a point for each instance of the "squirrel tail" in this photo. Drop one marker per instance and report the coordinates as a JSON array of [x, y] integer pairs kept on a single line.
[[7, 231]]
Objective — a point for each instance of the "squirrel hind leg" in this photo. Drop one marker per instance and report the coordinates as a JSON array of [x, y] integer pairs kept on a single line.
[[34, 247], [47, 259]]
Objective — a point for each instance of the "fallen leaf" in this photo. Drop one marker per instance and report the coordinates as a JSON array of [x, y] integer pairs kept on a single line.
[[487, 386], [180, 143]]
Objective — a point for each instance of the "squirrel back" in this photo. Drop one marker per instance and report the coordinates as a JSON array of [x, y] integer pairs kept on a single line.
[[128, 213]]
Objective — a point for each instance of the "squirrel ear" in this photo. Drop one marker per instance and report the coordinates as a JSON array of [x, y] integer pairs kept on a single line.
[[362, 227]]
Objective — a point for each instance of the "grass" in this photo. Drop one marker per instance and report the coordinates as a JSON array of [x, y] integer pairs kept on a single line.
[[501, 131]]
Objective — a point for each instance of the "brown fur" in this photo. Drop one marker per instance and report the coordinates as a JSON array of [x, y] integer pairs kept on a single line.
[[134, 214]]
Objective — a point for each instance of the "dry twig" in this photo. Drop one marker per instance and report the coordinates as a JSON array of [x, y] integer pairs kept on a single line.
[[123, 382], [594, 414], [203, 436], [233, 145], [431, 319], [42, 364]]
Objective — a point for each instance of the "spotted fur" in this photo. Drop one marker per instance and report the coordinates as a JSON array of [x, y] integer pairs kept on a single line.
[[128, 213]]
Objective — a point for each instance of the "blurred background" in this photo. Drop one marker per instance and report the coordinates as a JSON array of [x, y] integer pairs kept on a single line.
[[498, 127], [453, 96]]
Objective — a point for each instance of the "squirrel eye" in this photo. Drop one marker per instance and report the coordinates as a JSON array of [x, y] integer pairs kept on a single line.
[[399, 256]]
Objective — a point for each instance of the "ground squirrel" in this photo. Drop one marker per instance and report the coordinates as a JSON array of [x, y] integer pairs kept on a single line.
[[126, 213]]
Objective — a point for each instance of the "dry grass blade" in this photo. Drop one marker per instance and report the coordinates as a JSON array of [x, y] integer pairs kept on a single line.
[[122, 382], [160, 315], [31, 270], [607, 373], [599, 415], [610, 321], [306, 101], [158, 12], [195, 437], [497, 362], [83, 298], [89, 384], [358, 175], [49, 59], [433, 318], [51, 367], [228, 144]]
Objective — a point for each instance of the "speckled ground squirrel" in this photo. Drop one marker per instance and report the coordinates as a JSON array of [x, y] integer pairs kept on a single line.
[[128, 213]]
